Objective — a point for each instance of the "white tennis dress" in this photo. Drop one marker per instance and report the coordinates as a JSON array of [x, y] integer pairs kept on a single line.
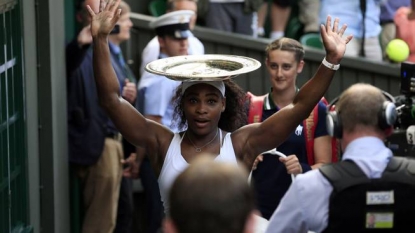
[[174, 164]]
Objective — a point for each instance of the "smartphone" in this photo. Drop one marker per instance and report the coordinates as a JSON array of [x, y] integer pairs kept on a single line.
[[116, 29]]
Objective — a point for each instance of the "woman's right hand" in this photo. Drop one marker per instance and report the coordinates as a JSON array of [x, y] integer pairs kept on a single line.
[[333, 40], [108, 15]]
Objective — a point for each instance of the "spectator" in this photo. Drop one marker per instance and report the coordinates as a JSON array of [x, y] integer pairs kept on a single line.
[[363, 23], [272, 176], [236, 16], [211, 197], [405, 27], [388, 9], [364, 117], [125, 208], [280, 13], [308, 15], [206, 113], [152, 50], [95, 148]]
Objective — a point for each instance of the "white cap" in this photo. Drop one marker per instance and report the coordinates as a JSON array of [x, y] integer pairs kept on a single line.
[[175, 24]]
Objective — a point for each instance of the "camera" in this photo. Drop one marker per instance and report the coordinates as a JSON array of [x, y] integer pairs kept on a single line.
[[408, 79], [402, 141], [404, 102]]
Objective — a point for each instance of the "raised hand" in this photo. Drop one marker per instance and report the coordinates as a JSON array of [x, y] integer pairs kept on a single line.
[[333, 40], [84, 36], [108, 15]]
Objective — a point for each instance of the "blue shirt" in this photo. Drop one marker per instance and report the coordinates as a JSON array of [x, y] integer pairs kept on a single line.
[[348, 11], [305, 206], [389, 8]]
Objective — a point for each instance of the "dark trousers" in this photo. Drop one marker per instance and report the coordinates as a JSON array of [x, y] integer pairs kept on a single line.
[[125, 202], [125, 207], [154, 206]]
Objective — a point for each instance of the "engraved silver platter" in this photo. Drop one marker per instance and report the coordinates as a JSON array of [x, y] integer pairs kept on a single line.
[[209, 67]]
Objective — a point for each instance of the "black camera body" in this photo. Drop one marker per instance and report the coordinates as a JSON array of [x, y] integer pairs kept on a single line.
[[408, 79], [404, 102], [401, 142]]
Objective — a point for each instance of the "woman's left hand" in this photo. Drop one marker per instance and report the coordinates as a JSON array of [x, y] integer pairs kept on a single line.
[[292, 164]]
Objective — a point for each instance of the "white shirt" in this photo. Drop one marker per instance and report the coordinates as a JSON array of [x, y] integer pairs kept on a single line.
[[152, 50], [305, 206], [154, 98]]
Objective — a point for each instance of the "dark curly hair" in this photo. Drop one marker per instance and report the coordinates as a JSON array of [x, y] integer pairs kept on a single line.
[[234, 116]]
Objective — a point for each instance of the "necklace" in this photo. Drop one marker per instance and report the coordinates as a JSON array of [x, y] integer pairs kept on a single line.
[[199, 149]]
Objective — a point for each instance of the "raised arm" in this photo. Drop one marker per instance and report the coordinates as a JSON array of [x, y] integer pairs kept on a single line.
[[132, 125], [254, 139], [75, 54]]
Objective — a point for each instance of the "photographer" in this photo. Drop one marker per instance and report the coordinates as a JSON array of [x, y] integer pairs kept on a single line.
[[341, 197]]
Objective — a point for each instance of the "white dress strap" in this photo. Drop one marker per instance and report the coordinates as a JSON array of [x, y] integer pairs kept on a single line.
[[220, 138], [181, 139]]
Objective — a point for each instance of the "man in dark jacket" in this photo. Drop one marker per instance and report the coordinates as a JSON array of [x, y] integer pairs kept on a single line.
[[95, 145]]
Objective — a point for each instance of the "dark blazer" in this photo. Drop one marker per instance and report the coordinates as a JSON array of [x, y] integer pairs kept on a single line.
[[88, 124]]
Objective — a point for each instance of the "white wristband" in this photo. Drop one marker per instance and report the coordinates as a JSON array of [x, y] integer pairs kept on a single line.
[[329, 65]]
